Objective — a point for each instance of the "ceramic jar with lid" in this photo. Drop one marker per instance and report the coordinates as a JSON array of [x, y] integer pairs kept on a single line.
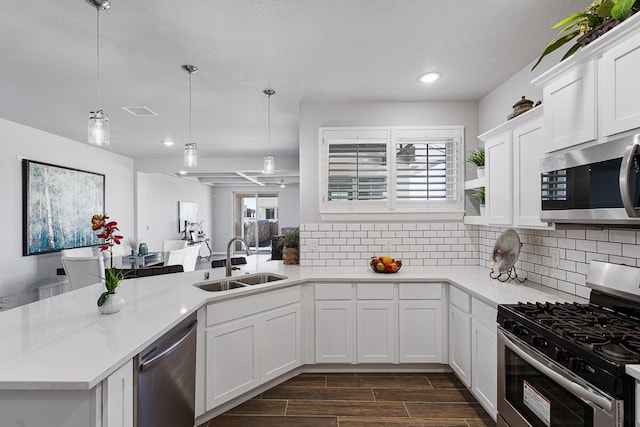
[[520, 107]]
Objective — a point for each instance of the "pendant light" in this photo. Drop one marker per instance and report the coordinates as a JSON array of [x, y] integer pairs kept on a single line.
[[283, 183], [190, 148], [98, 129], [269, 161]]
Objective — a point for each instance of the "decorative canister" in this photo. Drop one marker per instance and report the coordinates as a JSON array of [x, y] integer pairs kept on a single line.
[[520, 107], [143, 249]]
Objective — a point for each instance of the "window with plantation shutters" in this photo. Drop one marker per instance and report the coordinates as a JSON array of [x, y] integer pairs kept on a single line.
[[391, 170]]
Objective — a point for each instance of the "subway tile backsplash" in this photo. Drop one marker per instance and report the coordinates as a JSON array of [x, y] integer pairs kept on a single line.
[[558, 259]]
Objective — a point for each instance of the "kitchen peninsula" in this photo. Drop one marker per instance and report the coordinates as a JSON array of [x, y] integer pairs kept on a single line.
[[63, 347]]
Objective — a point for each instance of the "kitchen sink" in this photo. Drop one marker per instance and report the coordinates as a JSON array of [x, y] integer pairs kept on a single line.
[[220, 285], [229, 283], [258, 279]]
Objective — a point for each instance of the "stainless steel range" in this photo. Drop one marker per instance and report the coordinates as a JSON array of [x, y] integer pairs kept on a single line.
[[563, 364]]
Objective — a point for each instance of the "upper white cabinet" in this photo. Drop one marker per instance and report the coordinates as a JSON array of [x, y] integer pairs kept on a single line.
[[618, 87], [513, 151], [570, 108], [592, 95]]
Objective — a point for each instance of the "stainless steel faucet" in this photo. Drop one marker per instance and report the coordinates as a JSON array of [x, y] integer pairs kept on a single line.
[[228, 261]]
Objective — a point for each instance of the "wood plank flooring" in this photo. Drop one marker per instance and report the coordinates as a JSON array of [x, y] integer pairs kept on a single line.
[[361, 400]]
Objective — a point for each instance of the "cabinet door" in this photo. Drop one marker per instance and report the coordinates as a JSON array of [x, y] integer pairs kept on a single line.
[[376, 328], [420, 331], [499, 190], [334, 331], [618, 87], [232, 360], [570, 108], [460, 343], [280, 345], [117, 397], [528, 149], [484, 366]]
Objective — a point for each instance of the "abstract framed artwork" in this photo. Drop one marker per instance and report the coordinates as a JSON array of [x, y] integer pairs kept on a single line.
[[57, 205], [187, 213]]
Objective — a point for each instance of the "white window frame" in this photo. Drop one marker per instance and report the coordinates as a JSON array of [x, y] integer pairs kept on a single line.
[[391, 208]]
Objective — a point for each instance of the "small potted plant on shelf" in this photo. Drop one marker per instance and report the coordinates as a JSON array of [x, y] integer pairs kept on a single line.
[[290, 245], [108, 302], [476, 157], [133, 244], [479, 194]]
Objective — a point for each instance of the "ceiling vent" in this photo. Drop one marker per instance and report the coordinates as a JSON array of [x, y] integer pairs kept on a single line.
[[140, 111]]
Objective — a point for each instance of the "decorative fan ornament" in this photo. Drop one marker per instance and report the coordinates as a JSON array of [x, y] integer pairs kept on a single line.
[[504, 256]]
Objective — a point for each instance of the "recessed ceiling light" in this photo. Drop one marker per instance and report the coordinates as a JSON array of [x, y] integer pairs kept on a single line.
[[182, 172], [168, 143], [429, 77]]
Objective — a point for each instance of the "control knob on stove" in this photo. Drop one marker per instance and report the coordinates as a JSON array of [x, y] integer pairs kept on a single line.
[[559, 354], [576, 364], [537, 341]]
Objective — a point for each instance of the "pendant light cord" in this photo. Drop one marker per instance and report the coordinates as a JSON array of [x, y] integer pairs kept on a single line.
[[269, 126], [189, 109], [98, 53]]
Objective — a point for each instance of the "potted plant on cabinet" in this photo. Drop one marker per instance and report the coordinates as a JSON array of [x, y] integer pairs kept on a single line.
[[476, 157], [479, 194], [290, 245], [108, 302]]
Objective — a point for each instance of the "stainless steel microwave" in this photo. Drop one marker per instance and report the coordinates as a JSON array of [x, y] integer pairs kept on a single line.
[[597, 185]]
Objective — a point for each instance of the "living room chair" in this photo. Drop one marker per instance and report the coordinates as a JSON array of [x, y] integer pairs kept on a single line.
[[175, 257], [77, 252], [172, 245], [191, 257], [83, 271]]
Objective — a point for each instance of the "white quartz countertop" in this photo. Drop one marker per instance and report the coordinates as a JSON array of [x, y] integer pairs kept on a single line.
[[63, 342]]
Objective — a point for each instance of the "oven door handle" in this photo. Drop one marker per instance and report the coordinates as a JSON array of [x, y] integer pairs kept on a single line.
[[569, 385], [624, 179]]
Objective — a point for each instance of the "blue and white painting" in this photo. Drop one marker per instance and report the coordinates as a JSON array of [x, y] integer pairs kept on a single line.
[[58, 205]]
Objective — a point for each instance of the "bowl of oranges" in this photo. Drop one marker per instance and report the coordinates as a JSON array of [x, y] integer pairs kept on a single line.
[[384, 264]]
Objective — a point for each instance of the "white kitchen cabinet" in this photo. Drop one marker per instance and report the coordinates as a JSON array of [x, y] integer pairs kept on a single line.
[[117, 397], [376, 331], [484, 356], [420, 323], [618, 88], [513, 151], [249, 341], [570, 107], [460, 343], [334, 318]]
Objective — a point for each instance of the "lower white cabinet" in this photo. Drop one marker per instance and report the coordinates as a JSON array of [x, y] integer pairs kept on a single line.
[[117, 397], [376, 331], [460, 343], [334, 318], [484, 372], [250, 341], [420, 332]]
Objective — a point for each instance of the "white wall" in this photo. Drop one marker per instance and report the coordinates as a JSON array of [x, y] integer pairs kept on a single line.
[[315, 115], [223, 201], [157, 197], [20, 273]]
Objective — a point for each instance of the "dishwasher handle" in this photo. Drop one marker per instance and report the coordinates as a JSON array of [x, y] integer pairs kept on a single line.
[[173, 347]]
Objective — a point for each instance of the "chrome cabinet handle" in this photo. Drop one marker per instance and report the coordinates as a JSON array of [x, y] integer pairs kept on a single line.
[[625, 172], [569, 385]]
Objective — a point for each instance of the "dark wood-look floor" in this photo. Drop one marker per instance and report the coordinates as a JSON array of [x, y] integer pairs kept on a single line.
[[361, 400]]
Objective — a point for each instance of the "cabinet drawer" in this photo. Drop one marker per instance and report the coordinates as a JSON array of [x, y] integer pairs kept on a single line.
[[413, 291], [460, 299], [484, 313], [223, 311], [333, 291], [375, 291]]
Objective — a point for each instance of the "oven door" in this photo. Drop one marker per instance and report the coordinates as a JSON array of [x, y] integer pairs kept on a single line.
[[535, 392]]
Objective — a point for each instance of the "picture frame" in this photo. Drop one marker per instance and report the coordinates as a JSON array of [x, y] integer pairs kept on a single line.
[[57, 205], [187, 211]]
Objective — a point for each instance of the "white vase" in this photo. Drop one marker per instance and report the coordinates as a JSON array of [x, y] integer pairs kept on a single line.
[[482, 210], [480, 171], [113, 304]]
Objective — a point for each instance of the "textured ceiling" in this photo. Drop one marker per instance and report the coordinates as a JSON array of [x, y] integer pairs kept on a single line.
[[307, 50]]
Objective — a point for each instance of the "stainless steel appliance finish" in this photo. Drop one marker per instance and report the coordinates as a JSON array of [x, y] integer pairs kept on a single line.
[[594, 185], [564, 363], [165, 395]]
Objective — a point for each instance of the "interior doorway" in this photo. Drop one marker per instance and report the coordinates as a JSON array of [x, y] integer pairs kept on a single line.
[[256, 220]]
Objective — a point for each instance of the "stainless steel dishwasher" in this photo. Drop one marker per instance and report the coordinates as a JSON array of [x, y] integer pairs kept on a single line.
[[166, 379]]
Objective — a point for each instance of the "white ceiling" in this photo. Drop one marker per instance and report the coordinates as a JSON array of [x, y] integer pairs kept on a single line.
[[306, 50]]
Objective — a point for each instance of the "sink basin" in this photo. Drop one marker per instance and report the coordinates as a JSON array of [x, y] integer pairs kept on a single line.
[[219, 285], [229, 283], [258, 279]]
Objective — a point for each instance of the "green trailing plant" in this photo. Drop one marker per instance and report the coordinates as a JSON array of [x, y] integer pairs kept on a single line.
[[476, 157], [290, 240], [479, 194], [581, 23]]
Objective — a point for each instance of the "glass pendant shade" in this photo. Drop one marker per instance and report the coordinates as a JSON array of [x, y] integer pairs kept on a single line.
[[283, 184], [269, 164], [191, 155], [98, 128]]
